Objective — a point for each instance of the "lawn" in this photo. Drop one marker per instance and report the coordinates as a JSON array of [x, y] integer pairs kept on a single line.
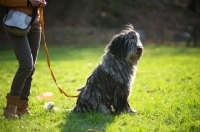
[[166, 92]]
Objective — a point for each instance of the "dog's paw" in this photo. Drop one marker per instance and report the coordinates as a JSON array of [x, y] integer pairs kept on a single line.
[[49, 105], [131, 110]]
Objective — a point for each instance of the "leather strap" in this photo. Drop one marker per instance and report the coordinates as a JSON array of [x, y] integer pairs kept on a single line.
[[34, 14], [47, 54]]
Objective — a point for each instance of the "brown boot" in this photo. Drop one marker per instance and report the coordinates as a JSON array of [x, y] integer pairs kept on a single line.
[[10, 109], [22, 107]]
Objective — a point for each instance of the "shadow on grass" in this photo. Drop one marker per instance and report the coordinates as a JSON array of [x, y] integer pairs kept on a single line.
[[82, 122]]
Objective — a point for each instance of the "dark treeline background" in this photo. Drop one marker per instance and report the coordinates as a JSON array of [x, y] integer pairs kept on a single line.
[[158, 21]]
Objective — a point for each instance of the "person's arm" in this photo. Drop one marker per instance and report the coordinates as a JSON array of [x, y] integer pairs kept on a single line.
[[14, 3]]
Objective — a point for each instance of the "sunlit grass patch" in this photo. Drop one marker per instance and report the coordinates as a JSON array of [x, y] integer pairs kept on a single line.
[[166, 91]]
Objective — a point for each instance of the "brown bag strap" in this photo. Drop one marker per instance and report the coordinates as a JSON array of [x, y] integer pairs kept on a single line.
[[47, 54]]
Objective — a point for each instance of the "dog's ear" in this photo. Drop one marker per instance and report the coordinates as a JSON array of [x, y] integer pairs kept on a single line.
[[122, 45], [117, 47], [129, 27]]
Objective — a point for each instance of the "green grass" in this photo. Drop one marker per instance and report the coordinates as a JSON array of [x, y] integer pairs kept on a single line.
[[166, 92]]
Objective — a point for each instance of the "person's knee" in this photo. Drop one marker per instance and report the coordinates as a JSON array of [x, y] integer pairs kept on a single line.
[[26, 69]]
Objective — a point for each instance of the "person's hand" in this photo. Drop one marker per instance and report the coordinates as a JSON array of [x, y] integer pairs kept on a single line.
[[37, 2], [34, 2], [43, 3]]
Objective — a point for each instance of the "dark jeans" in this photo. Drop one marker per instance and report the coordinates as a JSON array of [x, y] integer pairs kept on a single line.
[[26, 50]]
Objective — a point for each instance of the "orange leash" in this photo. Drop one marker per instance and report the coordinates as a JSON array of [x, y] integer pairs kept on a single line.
[[47, 54]]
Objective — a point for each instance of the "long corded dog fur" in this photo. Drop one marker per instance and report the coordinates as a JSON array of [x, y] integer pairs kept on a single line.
[[108, 87]]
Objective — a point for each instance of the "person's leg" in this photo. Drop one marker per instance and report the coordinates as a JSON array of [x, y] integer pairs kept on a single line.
[[23, 54], [34, 37]]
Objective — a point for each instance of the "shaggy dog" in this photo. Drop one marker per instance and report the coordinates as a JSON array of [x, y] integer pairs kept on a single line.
[[108, 87]]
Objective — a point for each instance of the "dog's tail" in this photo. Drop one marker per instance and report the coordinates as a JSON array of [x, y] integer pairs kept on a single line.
[[80, 89]]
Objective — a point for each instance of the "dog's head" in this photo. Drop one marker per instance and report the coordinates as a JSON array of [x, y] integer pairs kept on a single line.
[[126, 45]]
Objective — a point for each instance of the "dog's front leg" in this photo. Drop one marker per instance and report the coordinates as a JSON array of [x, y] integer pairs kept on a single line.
[[121, 103]]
